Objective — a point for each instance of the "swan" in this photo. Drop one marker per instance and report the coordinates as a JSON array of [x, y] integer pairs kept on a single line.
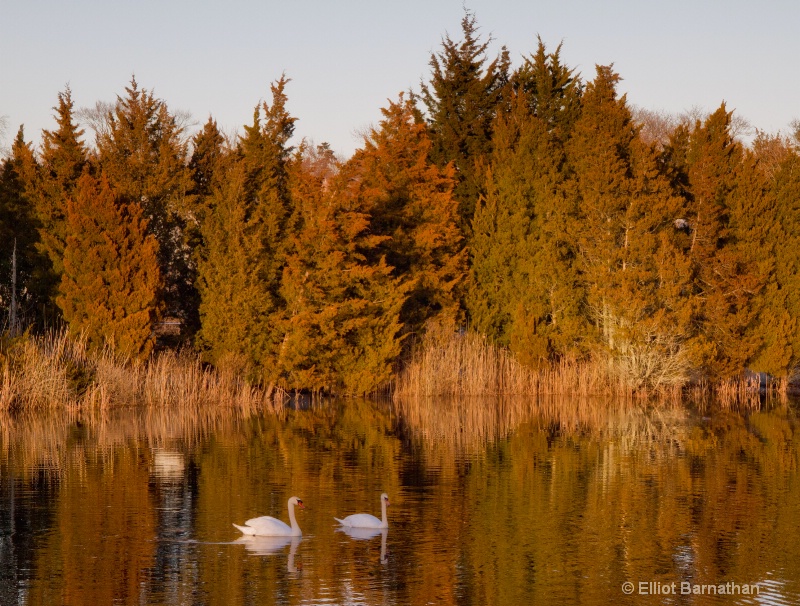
[[365, 520], [267, 526]]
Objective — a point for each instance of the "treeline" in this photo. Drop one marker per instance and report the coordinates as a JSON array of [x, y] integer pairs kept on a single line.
[[524, 203]]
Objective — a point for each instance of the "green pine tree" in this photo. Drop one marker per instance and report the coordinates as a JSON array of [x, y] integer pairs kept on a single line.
[[552, 90], [265, 153], [629, 248], [725, 273], [208, 152], [61, 163], [525, 291], [780, 352], [29, 286], [410, 200], [244, 246], [208, 166], [142, 150], [462, 99], [109, 288], [342, 315], [235, 309]]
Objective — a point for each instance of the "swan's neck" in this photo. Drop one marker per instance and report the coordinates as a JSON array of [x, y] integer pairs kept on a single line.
[[293, 520], [384, 523]]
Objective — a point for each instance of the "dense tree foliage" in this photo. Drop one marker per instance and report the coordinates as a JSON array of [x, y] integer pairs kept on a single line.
[[626, 239], [244, 245], [341, 320], [725, 213], [52, 181], [411, 204], [532, 206], [525, 291], [111, 281], [26, 280], [143, 153], [780, 318], [464, 95]]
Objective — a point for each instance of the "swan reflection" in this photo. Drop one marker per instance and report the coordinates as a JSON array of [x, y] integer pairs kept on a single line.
[[262, 546], [364, 534], [256, 545]]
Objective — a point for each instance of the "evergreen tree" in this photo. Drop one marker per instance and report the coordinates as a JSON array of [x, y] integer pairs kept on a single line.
[[630, 251], [410, 200], [141, 150], [24, 287], [341, 320], [552, 91], [234, 309], [462, 99], [265, 153], [208, 152], [525, 291], [109, 288], [208, 166], [62, 162], [725, 274], [781, 353], [245, 246], [49, 180]]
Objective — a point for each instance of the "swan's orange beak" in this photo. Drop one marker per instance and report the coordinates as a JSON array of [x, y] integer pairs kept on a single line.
[[300, 504]]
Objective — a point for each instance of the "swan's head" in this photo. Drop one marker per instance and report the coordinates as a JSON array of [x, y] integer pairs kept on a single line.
[[296, 501], [385, 499]]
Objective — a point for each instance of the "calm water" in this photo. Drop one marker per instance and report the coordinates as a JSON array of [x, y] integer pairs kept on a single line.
[[488, 507]]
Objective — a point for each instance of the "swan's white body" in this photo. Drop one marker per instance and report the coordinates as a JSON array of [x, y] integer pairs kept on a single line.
[[267, 526], [365, 520]]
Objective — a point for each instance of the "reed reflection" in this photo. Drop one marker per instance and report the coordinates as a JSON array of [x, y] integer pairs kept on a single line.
[[470, 423]]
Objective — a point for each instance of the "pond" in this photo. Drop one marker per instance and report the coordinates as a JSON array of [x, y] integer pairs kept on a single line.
[[489, 505]]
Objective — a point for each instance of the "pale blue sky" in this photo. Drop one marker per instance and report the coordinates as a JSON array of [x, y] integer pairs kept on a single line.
[[346, 58]]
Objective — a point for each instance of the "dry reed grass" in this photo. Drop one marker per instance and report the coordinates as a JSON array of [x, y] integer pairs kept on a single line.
[[465, 364], [55, 371]]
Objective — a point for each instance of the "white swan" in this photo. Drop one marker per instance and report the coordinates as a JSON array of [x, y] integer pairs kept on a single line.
[[365, 520], [267, 526]]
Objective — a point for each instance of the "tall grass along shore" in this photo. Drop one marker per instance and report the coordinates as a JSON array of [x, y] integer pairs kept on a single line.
[[55, 371]]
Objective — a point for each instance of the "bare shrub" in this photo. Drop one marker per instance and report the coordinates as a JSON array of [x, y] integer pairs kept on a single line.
[[643, 355]]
